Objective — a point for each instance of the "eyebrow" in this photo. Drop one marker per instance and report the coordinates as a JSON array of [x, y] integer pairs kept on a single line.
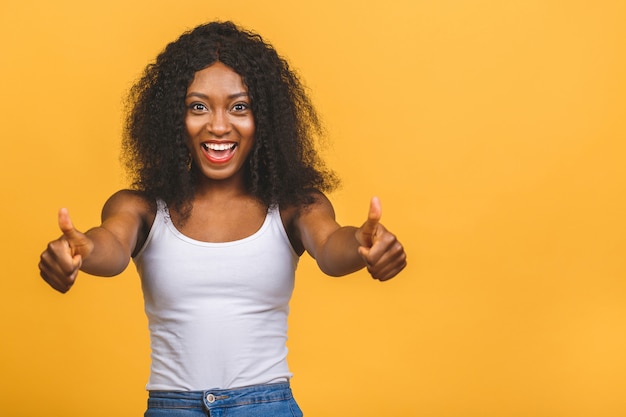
[[205, 97]]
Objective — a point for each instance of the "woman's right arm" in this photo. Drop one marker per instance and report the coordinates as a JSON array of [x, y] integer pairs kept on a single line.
[[104, 250]]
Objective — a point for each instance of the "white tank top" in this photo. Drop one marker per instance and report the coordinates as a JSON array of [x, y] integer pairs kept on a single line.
[[217, 312]]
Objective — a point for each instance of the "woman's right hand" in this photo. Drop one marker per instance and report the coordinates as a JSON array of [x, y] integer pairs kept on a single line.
[[60, 262]]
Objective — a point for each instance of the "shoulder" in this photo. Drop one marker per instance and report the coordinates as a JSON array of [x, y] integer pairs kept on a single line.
[[129, 201], [318, 215], [130, 212], [131, 206], [317, 203]]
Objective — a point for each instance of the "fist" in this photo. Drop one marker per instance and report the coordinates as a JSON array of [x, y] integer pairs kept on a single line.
[[383, 254], [60, 262]]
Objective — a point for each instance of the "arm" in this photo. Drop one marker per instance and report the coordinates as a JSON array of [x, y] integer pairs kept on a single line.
[[342, 250], [104, 250]]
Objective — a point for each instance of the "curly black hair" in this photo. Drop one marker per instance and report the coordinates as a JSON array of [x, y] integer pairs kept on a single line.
[[283, 167]]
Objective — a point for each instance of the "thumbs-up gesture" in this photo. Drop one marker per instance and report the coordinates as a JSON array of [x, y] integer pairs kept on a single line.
[[381, 250], [60, 262]]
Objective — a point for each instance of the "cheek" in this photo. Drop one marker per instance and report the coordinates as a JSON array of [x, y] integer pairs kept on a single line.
[[248, 128], [193, 125], [187, 134]]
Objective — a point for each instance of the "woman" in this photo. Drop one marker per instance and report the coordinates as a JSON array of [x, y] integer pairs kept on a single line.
[[228, 193]]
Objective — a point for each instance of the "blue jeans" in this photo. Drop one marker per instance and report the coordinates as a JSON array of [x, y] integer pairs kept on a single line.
[[271, 400]]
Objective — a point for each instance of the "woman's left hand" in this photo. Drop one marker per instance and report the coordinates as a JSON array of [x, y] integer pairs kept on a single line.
[[381, 250]]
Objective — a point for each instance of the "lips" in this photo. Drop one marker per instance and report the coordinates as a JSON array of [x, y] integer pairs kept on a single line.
[[219, 152]]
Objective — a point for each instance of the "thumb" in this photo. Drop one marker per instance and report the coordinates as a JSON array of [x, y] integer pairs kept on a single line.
[[368, 230], [71, 235], [69, 232], [65, 223]]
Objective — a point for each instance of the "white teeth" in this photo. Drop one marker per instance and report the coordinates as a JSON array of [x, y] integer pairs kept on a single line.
[[219, 146]]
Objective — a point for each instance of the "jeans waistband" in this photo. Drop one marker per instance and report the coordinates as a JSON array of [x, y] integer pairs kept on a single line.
[[228, 397]]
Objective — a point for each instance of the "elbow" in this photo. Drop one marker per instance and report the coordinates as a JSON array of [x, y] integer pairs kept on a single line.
[[114, 266], [337, 271]]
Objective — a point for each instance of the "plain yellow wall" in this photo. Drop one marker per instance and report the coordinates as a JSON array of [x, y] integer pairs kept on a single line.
[[493, 131]]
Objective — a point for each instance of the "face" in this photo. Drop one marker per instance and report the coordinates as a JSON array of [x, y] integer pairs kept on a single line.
[[219, 122]]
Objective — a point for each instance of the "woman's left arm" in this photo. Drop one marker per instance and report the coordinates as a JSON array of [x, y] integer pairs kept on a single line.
[[342, 250]]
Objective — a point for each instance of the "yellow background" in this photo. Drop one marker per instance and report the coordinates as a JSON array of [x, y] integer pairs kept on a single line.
[[493, 131]]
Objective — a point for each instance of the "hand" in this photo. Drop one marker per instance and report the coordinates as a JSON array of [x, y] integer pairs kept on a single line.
[[60, 262], [381, 250]]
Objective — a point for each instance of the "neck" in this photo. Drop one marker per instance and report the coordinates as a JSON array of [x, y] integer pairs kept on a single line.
[[230, 187]]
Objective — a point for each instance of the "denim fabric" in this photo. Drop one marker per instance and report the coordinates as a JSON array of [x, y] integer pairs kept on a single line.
[[271, 400]]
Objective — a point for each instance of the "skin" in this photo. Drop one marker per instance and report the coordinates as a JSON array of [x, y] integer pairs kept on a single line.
[[218, 112]]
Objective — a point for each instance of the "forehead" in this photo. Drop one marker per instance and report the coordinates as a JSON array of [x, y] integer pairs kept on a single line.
[[217, 77]]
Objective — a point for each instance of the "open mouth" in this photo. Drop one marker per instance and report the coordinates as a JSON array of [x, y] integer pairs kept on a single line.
[[219, 152]]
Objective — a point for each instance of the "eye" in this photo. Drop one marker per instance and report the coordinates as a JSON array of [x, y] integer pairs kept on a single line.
[[197, 107], [240, 107]]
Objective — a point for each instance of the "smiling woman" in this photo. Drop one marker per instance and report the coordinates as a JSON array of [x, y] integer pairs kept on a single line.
[[219, 122], [283, 166], [228, 193]]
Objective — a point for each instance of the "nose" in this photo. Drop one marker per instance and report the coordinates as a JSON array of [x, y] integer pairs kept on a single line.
[[218, 124]]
